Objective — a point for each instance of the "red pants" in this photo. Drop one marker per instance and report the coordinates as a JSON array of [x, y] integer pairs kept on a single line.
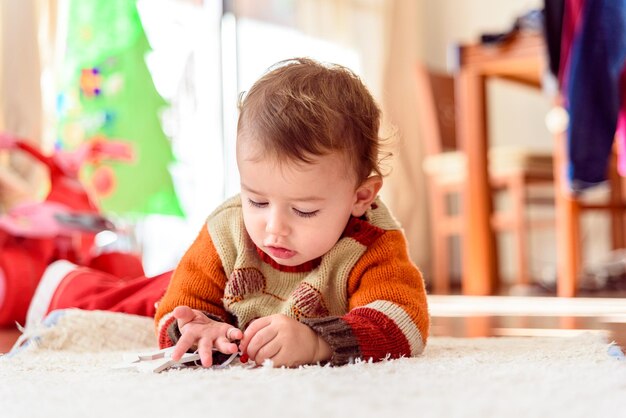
[[90, 289], [113, 282]]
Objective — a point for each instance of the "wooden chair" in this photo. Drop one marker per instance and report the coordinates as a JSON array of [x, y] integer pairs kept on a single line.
[[512, 170], [570, 210]]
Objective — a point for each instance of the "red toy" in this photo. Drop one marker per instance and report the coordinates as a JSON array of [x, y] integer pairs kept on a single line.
[[62, 227]]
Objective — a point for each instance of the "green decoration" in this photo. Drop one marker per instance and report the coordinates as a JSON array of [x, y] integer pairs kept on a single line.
[[107, 92]]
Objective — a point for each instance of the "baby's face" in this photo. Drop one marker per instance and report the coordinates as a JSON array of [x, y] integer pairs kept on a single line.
[[295, 212]]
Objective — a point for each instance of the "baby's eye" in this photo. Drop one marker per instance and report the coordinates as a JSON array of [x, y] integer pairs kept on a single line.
[[305, 214], [257, 204]]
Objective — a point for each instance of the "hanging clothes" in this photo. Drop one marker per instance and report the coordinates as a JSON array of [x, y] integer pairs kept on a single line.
[[593, 54], [553, 27]]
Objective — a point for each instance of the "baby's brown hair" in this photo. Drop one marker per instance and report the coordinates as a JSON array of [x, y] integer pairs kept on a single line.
[[301, 109]]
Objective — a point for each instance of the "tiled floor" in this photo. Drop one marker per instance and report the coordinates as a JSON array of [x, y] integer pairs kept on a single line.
[[462, 316]]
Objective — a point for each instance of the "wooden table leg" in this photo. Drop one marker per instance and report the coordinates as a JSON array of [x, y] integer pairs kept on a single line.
[[617, 200], [479, 251], [568, 250]]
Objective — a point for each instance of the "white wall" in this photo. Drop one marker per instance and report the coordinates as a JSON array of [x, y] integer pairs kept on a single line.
[[516, 112]]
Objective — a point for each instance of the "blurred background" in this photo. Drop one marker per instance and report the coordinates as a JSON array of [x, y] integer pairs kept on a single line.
[[134, 102], [165, 75]]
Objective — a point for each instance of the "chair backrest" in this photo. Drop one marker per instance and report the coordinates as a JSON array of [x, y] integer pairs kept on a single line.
[[436, 112]]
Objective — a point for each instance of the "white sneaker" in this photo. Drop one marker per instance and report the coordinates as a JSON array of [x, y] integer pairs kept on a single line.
[[48, 284]]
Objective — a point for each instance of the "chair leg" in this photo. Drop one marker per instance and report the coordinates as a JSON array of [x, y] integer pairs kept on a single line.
[[568, 246], [520, 228], [568, 243], [617, 198], [441, 269], [440, 247]]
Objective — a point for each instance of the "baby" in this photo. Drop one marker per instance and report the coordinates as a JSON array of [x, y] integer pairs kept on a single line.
[[306, 264]]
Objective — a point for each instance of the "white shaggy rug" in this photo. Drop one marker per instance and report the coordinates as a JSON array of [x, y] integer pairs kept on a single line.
[[69, 373]]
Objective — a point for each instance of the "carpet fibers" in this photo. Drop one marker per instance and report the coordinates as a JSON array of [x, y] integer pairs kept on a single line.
[[66, 370]]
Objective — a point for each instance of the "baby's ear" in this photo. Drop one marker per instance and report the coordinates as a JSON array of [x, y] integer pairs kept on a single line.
[[365, 194]]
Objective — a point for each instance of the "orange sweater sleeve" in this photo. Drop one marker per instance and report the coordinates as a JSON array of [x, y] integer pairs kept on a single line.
[[388, 312], [386, 288], [197, 282]]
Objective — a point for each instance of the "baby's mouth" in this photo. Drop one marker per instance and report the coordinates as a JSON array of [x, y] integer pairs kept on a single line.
[[280, 252]]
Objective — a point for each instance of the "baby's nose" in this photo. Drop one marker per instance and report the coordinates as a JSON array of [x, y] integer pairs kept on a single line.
[[277, 224]]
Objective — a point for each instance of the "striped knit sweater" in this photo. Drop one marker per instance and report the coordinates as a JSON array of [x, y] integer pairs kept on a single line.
[[364, 297]]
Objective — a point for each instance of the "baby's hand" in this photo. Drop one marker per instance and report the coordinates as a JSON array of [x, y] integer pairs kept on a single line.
[[204, 333], [285, 341]]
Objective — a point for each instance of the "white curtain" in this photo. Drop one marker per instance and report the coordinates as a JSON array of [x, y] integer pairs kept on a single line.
[[405, 188], [386, 35], [21, 105]]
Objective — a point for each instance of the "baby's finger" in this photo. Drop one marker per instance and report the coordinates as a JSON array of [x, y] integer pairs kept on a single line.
[[268, 351], [183, 315], [205, 349], [260, 340], [226, 346], [254, 327], [185, 342], [234, 334]]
